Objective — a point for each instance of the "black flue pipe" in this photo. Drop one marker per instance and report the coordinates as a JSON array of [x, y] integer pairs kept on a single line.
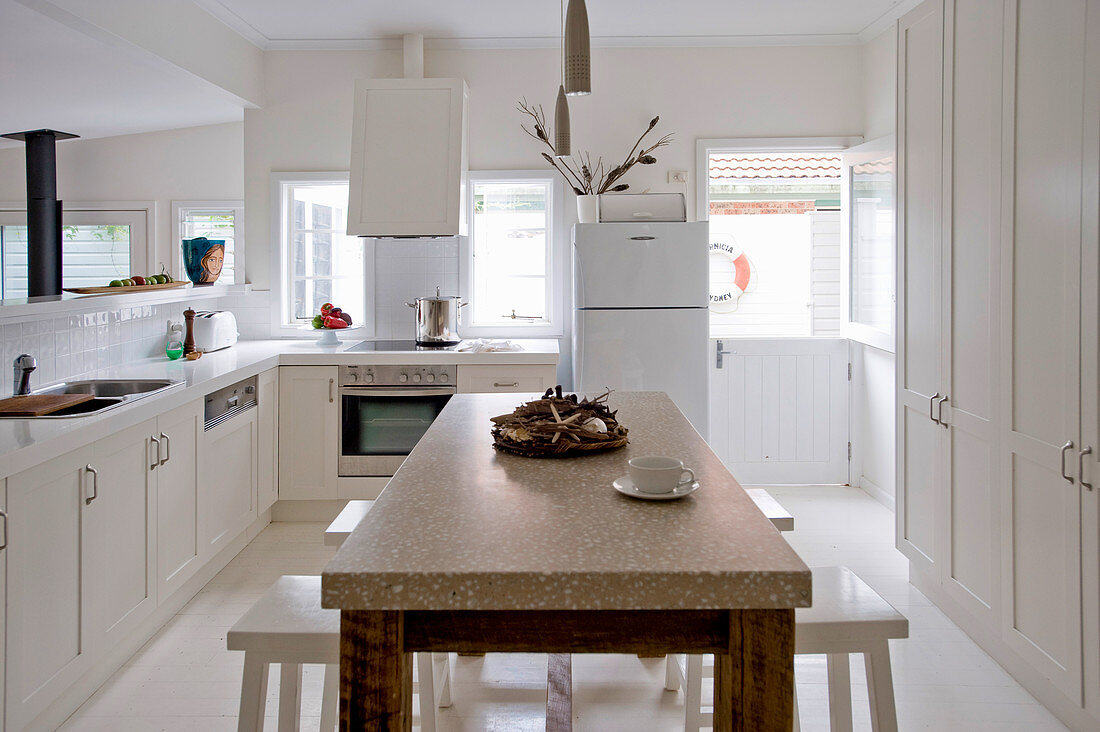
[[44, 256]]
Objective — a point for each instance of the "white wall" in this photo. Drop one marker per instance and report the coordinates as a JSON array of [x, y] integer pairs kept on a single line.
[[873, 389], [195, 163]]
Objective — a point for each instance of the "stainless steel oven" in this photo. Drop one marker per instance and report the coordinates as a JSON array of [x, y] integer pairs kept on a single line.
[[385, 410]]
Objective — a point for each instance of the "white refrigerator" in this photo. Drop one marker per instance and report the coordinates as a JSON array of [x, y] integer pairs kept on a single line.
[[640, 319]]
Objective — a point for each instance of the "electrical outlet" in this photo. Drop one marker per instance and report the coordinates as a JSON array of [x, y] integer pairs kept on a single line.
[[678, 176]]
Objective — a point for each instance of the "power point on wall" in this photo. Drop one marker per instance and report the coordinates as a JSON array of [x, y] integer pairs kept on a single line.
[[678, 176]]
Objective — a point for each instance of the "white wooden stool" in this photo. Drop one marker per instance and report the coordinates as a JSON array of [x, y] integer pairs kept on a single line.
[[289, 627], [847, 617]]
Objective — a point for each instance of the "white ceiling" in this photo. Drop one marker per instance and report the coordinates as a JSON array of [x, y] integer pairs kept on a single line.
[[56, 77], [297, 24]]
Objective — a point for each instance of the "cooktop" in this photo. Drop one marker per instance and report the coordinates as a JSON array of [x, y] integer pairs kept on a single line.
[[409, 345]]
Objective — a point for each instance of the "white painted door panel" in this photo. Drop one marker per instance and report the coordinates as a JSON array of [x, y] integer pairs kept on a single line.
[[308, 449], [48, 611], [178, 545], [919, 265], [1041, 340], [227, 481], [268, 447], [779, 409]]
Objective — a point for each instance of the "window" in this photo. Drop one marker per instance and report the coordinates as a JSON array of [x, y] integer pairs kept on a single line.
[[96, 247], [215, 220], [514, 255], [868, 190], [319, 262]]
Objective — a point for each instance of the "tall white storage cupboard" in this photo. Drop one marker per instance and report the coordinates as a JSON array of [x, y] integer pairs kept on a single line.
[[998, 130]]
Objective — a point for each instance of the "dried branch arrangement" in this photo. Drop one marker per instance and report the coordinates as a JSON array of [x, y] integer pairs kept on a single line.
[[584, 177], [559, 425]]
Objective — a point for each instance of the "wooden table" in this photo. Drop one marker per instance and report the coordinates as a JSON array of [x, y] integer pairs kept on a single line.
[[471, 550]]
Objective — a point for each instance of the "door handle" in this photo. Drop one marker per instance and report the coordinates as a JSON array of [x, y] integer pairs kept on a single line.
[[95, 483], [1080, 467], [156, 460], [499, 384], [167, 449], [931, 405], [939, 411], [330, 383], [4, 518], [719, 353], [1066, 448]]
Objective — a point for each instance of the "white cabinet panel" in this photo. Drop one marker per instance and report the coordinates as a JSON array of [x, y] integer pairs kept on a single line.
[[918, 468], [48, 610], [268, 438], [177, 497], [479, 379], [122, 517], [227, 481], [308, 450]]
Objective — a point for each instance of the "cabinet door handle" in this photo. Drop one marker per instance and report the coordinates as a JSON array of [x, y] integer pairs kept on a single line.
[[330, 383], [1066, 448], [931, 405], [4, 518], [167, 449], [156, 460], [939, 411], [502, 384], [95, 483], [1080, 467]]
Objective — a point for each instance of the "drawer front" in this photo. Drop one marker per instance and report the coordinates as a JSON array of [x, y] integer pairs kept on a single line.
[[501, 379]]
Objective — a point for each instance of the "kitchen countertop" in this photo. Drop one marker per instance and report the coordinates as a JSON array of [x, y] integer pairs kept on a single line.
[[464, 527], [25, 443]]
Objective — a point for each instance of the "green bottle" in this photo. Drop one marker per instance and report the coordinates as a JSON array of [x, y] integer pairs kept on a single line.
[[174, 346]]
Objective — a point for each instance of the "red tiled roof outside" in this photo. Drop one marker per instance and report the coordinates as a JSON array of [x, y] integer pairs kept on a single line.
[[775, 166], [730, 208]]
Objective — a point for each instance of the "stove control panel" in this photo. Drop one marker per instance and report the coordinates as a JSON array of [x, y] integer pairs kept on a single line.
[[396, 375]]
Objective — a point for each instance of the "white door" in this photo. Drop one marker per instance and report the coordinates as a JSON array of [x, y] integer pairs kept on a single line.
[[120, 563], [919, 435], [308, 449], [1040, 344], [268, 436], [227, 481], [779, 409], [178, 543], [48, 611]]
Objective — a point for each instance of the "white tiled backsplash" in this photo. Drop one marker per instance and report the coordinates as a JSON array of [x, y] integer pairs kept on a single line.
[[405, 269]]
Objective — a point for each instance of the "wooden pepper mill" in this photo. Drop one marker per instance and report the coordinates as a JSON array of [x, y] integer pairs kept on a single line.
[[189, 336]]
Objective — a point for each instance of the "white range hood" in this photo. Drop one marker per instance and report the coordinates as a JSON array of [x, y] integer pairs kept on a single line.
[[408, 154]]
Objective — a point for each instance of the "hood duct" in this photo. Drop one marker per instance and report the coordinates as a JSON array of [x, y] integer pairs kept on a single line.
[[43, 211]]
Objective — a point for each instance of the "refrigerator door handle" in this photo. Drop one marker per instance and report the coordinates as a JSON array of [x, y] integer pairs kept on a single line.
[[719, 353]]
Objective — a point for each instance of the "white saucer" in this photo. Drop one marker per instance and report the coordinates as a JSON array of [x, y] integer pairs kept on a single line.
[[626, 486]]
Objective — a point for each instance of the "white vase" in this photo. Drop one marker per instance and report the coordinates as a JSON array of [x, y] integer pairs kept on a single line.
[[587, 209]]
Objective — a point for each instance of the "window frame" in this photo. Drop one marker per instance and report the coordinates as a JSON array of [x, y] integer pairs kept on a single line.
[[145, 226], [237, 208], [860, 332], [280, 269], [557, 241]]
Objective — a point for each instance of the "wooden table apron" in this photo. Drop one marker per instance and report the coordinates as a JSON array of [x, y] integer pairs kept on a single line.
[[754, 654]]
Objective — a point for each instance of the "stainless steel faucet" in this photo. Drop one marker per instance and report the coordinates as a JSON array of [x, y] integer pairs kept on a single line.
[[21, 379]]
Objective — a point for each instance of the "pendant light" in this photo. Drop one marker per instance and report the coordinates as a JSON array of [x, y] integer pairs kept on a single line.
[[562, 143], [577, 75]]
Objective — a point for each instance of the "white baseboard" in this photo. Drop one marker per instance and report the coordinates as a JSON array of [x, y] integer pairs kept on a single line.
[[886, 498], [307, 510]]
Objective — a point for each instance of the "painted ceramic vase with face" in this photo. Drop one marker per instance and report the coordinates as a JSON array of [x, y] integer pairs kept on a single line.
[[203, 259]]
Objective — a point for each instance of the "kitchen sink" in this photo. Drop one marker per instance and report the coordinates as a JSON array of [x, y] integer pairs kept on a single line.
[[106, 394]]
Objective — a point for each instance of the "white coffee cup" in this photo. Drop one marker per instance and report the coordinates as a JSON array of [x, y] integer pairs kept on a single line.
[[657, 474]]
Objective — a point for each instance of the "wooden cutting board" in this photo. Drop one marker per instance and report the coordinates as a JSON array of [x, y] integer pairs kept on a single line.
[[37, 405]]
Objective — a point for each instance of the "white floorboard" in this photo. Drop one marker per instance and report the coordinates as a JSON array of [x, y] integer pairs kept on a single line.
[[184, 679]]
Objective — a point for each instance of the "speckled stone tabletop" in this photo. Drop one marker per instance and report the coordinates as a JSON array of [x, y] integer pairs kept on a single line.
[[464, 527]]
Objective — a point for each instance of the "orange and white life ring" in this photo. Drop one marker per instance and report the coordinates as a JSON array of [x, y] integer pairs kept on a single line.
[[744, 274]]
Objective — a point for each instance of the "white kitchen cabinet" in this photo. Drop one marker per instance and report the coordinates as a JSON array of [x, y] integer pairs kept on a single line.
[[178, 543], [308, 433], [49, 598], [121, 519], [408, 158], [482, 378], [268, 440], [227, 481]]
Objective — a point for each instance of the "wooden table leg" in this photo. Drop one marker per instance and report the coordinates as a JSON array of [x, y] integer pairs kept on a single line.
[[754, 682], [559, 692], [375, 672]]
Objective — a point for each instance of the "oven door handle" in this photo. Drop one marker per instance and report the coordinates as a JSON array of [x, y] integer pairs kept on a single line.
[[388, 392]]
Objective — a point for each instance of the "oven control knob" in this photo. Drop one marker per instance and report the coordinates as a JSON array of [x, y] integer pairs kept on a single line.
[[403, 378], [370, 378], [353, 376], [431, 378], [444, 378], [416, 378]]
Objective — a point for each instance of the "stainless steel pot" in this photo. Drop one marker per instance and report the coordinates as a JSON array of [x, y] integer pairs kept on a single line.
[[437, 319]]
